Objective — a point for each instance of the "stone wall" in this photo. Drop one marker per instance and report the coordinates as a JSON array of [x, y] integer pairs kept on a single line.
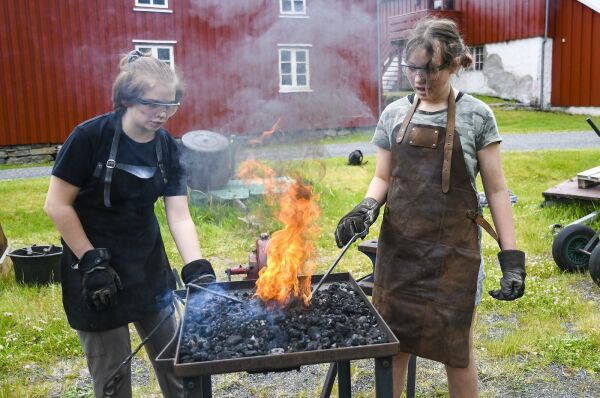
[[21, 154]]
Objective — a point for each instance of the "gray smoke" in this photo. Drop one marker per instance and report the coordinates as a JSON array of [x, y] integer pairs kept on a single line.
[[339, 32]]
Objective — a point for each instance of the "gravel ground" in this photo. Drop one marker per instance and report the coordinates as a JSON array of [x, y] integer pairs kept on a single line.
[[495, 380], [551, 382]]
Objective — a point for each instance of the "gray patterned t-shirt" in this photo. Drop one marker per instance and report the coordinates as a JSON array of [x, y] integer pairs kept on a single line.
[[475, 124]]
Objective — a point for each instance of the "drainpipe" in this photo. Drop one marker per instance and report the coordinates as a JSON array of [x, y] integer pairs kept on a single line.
[[544, 55], [379, 93]]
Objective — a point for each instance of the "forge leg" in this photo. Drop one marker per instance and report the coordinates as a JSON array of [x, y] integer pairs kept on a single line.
[[411, 379], [329, 380], [383, 377], [344, 387], [197, 387]]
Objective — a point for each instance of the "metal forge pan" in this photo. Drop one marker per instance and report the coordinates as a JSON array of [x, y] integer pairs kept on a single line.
[[285, 361]]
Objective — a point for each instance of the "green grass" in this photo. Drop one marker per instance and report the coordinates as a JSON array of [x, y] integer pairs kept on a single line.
[[551, 324], [530, 121], [22, 166]]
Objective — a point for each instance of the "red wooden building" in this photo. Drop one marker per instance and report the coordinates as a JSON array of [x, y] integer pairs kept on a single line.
[[537, 51], [312, 63]]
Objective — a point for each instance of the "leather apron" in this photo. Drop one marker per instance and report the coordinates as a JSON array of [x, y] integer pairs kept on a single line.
[[428, 253], [129, 229]]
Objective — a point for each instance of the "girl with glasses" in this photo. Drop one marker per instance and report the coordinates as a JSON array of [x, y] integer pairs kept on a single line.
[[106, 179], [429, 269]]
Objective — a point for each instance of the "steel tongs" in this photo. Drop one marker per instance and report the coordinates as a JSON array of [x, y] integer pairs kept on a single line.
[[337, 260]]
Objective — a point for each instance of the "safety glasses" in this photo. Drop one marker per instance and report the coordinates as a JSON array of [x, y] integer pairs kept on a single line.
[[157, 106], [424, 72]]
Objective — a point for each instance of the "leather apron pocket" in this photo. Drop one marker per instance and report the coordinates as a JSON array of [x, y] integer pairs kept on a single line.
[[425, 136]]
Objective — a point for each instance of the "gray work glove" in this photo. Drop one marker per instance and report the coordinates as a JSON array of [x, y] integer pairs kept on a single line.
[[358, 220], [512, 284], [100, 281], [198, 271]]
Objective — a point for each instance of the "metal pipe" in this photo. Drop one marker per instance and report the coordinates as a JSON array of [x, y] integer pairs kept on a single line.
[[216, 293], [544, 55]]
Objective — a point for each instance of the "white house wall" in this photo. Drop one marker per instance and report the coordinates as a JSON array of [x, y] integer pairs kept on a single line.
[[511, 70]]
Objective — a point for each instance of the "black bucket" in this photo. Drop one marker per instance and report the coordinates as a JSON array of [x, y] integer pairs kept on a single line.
[[37, 264]]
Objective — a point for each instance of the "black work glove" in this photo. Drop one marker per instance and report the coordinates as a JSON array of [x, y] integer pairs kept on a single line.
[[198, 271], [358, 220], [512, 284], [100, 281]]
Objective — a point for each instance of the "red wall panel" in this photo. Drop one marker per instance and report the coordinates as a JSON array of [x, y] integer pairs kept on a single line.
[[482, 21], [59, 60], [576, 55]]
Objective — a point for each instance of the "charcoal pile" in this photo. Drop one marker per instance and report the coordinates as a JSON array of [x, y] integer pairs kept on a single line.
[[216, 328]]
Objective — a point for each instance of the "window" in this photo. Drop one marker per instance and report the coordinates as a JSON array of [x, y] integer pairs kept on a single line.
[[160, 50], [152, 3], [152, 6], [477, 58], [443, 4], [292, 7], [294, 70]]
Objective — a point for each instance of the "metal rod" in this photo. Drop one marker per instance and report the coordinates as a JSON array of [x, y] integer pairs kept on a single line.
[[337, 260], [111, 387], [216, 293], [329, 380]]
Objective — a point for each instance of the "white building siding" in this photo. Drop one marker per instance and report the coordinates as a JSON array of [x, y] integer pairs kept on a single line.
[[511, 70]]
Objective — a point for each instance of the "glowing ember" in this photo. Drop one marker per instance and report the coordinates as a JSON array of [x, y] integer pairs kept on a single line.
[[291, 250], [265, 134]]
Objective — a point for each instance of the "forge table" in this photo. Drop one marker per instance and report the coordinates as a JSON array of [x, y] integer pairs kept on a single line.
[[197, 375]]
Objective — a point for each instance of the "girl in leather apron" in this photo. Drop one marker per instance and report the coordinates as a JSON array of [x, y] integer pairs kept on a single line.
[[104, 185], [429, 272]]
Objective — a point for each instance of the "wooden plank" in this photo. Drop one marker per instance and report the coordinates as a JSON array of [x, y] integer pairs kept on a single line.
[[569, 190], [589, 178]]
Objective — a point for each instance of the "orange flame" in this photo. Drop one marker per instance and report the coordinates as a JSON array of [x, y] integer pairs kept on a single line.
[[291, 250], [251, 170], [265, 134]]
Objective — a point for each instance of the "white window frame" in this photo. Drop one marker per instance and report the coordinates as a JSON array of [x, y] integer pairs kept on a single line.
[[478, 57], [152, 7], [294, 49], [155, 45], [294, 13]]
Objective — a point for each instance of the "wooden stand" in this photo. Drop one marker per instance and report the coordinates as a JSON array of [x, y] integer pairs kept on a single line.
[[589, 178], [584, 187]]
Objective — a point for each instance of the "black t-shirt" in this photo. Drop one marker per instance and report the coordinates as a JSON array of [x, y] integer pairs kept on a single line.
[[128, 228], [89, 143]]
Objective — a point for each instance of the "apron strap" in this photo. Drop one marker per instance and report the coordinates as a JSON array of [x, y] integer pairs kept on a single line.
[[159, 157], [483, 223], [406, 120], [449, 142], [111, 163]]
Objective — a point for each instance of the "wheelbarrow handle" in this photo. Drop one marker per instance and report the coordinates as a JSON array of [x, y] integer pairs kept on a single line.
[[594, 127]]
